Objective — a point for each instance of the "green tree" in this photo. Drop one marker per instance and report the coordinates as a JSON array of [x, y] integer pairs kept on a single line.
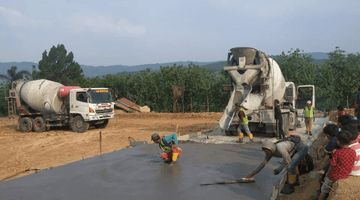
[[59, 66], [344, 70], [13, 75], [297, 67], [3, 102]]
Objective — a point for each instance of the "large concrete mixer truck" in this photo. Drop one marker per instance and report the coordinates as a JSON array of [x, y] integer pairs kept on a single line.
[[255, 82], [43, 104]]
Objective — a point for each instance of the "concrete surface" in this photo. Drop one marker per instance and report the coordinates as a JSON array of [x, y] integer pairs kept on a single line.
[[139, 173]]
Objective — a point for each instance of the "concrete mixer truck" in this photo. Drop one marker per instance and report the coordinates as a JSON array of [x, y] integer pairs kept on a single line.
[[43, 104], [255, 82]]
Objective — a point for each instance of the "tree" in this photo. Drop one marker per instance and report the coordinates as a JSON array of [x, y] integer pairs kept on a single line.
[[344, 72], [297, 67], [12, 75], [59, 66]]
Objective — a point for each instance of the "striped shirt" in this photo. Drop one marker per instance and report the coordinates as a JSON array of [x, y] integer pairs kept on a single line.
[[356, 170]]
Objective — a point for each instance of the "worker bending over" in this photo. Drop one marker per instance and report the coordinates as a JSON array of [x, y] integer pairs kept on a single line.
[[243, 123], [169, 145], [285, 148]]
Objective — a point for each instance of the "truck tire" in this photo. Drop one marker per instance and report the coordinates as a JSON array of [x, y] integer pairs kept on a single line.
[[38, 124], [25, 124], [231, 133], [78, 124], [102, 125]]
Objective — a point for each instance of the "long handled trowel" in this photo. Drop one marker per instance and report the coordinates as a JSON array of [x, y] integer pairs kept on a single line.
[[243, 180]]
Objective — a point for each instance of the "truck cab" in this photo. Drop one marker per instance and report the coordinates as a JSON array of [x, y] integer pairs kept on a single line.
[[90, 106]]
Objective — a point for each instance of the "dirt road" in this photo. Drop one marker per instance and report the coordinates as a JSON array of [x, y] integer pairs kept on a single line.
[[20, 151]]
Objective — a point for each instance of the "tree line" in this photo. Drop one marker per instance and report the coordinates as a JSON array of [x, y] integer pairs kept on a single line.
[[335, 80]]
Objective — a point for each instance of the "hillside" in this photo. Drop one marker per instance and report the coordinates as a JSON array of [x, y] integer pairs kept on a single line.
[[93, 71]]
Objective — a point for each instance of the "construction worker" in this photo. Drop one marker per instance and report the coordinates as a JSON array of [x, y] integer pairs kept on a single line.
[[243, 123], [169, 145], [284, 148], [278, 119], [309, 115]]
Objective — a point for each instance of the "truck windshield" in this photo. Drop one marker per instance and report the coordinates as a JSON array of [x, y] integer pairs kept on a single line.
[[100, 96], [304, 94]]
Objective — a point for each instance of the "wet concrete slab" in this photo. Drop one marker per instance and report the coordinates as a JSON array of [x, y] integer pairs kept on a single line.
[[139, 173]]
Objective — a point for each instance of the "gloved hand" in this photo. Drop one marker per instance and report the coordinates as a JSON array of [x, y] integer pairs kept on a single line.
[[174, 146], [303, 115], [276, 172]]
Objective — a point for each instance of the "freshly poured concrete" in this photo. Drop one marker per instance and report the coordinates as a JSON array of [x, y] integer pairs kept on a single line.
[[139, 173]]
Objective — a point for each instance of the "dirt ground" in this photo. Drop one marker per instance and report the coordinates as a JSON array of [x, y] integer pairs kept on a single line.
[[21, 151]]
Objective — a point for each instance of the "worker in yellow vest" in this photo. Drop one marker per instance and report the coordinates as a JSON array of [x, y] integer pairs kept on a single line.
[[309, 115], [168, 144], [243, 123]]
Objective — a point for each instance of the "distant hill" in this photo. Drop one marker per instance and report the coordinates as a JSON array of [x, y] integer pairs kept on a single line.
[[93, 71]]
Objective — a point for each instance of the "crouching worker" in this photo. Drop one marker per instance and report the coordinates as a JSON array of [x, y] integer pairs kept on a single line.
[[169, 145], [285, 148]]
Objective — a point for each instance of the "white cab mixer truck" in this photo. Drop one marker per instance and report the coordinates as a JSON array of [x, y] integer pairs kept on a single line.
[[256, 81], [43, 104]]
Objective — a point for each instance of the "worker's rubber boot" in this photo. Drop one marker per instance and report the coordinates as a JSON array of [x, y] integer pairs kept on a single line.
[[251, 137], [289, 185], [310, 133], [167, 160], [288, 188], [297, 181], [241, 136], [175, 156]]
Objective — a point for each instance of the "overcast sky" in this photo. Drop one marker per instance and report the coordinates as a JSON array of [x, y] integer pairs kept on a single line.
[[133, 32]]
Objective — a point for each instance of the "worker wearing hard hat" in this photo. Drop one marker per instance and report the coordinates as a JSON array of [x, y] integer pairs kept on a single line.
[[309, 115], [292, 149], [243, 123], [169, 145]]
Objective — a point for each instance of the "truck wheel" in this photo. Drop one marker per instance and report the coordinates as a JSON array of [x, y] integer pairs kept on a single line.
[[39, 124], [231, 133], [25, 124], [228, 133], [79, 125], [102, 125]]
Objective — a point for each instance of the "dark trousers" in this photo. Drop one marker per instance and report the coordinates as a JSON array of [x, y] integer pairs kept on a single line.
[[281, 131]]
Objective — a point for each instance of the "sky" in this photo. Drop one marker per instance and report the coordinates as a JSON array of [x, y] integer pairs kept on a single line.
[[135, 32]]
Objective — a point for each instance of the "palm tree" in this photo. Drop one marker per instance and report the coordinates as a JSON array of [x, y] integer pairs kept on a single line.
[[12, 75]]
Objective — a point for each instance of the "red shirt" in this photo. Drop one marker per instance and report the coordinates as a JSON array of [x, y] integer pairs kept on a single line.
[[341, 113], [356, 168], [343, 162]]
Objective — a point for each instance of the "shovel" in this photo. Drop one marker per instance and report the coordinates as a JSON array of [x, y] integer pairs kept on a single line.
[[242, 180]]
